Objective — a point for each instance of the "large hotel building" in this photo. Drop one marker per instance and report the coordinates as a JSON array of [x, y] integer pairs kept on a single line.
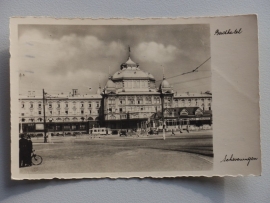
[[130, 100]]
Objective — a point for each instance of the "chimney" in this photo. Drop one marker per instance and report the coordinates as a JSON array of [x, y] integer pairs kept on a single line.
[[74, 92]]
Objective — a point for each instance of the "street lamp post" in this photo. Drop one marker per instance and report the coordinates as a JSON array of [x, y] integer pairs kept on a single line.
[[44, 114]]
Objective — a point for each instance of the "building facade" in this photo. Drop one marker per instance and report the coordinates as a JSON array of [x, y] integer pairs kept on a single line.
[[63, 113], [130, 100]]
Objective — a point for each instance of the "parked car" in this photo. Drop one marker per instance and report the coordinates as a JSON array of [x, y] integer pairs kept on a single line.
[[123, 133], [153, 132]]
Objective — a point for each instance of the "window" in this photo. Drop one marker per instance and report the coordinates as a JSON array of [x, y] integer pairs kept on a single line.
[[122, 101], [66, 127], [111, 101], [50, 105], [22, 114], [57, 127], [82, 104], [129, 84], [58, 112], [110, 109], [51, 112], [31, 105], [189, 102], [137, 84], [112, 117], [82, 111], [123, 116], [82, 127], [66, 105], [39, 105], [131, 101], [90, 111], [97, 104], [66, 112], [143, 83], [121, 110], [89, 105], [156, 100], [58, 105], [148, 100], [39, 112], [22, 105]]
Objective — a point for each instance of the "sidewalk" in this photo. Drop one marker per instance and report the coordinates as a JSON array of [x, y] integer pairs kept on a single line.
[[168, 135]]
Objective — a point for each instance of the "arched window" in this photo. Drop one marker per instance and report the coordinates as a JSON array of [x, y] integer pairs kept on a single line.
[[111, 117]]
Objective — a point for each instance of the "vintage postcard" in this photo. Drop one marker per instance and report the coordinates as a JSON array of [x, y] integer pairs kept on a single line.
[[123, 98]]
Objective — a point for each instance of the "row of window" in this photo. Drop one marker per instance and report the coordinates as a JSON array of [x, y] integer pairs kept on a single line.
[[135, 84], [66, 112], [132, 101], [50, 105], [135, 109]]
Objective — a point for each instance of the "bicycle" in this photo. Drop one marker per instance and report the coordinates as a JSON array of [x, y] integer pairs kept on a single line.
[[36, 159]]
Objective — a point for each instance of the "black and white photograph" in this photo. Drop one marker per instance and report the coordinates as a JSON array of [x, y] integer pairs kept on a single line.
[[134, 99], [115, 98]]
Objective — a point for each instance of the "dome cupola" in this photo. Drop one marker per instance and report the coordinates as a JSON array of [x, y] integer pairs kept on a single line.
[[165, 86], [110, 83]]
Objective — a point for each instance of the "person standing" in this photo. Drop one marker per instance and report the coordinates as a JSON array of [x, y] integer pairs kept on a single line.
[[45, 137], [29, 150], [22, 151], [180, 128], [173, 131], [49, 137]]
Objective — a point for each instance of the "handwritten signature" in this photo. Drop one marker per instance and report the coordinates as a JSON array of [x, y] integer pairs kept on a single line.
[[239, 159], [228, 32]]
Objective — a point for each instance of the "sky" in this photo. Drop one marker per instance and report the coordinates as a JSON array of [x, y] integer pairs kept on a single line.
[[60, 58]]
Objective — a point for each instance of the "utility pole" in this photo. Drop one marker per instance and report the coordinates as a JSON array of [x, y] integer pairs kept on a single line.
[[44, 114], [162, 109]]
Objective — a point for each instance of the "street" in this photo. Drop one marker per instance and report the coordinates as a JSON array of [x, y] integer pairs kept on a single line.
[[82, 154]]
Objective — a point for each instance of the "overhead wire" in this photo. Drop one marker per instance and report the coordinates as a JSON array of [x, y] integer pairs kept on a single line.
[[192, 71]]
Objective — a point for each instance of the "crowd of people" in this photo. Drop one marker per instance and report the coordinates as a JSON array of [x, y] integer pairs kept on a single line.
[[25, 150]]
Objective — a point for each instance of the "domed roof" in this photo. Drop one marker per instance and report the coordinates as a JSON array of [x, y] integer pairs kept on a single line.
[[165, 84], [132, 74], [110, 84]]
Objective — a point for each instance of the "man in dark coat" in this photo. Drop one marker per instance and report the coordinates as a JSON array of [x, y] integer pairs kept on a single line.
[[29, 150], [22, 151]]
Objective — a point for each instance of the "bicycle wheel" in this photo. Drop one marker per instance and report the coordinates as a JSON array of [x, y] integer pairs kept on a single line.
[[36, 160]]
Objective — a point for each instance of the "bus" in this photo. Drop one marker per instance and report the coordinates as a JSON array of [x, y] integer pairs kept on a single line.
[[100, 131]]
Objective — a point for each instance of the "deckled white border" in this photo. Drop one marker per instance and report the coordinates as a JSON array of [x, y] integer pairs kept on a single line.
[[232, 169]]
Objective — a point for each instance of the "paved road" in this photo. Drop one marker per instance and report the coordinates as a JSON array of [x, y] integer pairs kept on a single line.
[[182, 152]]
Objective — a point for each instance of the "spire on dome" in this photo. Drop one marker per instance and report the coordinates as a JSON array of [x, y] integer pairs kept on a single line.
[[163, 73]]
